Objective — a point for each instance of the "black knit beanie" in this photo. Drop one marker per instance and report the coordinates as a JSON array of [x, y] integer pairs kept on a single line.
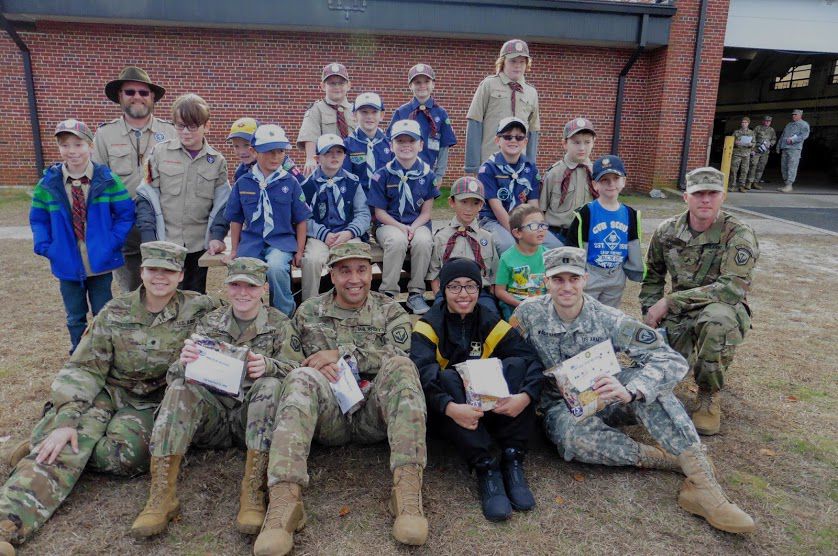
[[459, 268]]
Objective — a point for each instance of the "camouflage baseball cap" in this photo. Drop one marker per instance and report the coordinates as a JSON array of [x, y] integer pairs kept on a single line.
[[467, 187], [248, 270], [515, 48], [334, 69], [349, 250], [163, 254], [420, 69], [576, 125], [77, 128], [768, 117], [797, 112], [565, 259], [243, 128], [706, 178]]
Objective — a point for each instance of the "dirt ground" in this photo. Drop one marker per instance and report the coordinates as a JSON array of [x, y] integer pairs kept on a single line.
[[776, 456]]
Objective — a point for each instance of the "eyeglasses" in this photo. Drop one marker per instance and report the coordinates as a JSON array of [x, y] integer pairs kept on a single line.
[[534, 226], [131, 92], [457, 288], [181, 127], [510, 137]]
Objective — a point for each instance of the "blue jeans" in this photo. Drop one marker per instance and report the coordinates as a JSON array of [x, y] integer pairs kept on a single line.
[[279, 279], [81, 297]]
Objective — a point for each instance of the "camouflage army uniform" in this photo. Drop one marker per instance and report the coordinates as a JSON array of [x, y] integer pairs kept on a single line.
[[378, 336], [763, 134], [741, 161], [658, 369], [108, 391], [191, 414], [711, 275]]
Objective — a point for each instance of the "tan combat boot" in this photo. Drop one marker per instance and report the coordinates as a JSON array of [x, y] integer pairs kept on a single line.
[[411, 526], [701, 495], [252, 504], [285, 516], [15, 453], [756, 186], [707, 417], [652, 457], [8, 531], [162, 505], [747, 186], [786, 189]]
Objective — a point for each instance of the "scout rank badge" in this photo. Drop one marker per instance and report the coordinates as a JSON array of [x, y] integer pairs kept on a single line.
[[210, 158], [159, 137]]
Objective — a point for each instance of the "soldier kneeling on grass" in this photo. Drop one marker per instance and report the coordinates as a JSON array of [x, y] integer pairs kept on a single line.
[[566, 322], [191, 414]]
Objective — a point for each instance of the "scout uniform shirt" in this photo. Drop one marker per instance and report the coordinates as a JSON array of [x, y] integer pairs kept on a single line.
[[322, 118], [69, 184], [375, 332], [125, 151], [512, 184], [463, 248], [559, 206], [402, 193], [425, 113], [189, 190], [337, 203], [492, 102], [365, 156]]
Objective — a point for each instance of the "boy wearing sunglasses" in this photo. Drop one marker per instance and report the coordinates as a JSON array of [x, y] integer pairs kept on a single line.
[[521, 268]]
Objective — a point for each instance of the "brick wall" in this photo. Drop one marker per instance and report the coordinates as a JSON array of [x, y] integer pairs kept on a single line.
[[274, 76]]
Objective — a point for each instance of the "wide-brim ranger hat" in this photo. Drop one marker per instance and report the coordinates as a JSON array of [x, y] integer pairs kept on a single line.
[[406, 127], [349, 250], [132, 73], [511, 121], [248, 270], [329, 140], [420, 69], [74, 127], [269, 137], [608, 164], [565, 259]]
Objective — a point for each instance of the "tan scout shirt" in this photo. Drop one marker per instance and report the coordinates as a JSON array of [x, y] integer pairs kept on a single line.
[[116, 146], [561, 214], [462, 248], [85, 188], [187, 189], [320, 119], [492, 102]]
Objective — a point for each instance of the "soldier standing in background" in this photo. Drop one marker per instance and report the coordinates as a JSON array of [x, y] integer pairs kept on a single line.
[[790, 147], [765, 138], [743, 146]]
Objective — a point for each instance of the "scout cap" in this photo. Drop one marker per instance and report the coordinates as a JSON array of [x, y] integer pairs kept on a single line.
[[467, 187], [243, 128], [510, 121], [515, 48], [334, 69], [329, 140], [371, 100], [797, 111], [608, 164], [77, 128], [420, 69], [705, 179], [767, 117], [247, 269], [565, 259], [268, 137], [576, 125], [406, 127], [163, 254], [132, 73], [349, 250]]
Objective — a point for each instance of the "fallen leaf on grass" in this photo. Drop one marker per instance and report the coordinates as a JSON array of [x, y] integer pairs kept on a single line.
[[767, 452], [578, 477], [560, 500], [343, 511], [791, 399]]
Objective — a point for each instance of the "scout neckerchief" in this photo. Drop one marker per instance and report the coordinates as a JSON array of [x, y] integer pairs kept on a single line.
[[264, 202], [343, 127], [405, 194], [421, 108], [333, 184], [516, 88], [79, 206], [568, 172], [361, 136], [515, 178], [463, 231]]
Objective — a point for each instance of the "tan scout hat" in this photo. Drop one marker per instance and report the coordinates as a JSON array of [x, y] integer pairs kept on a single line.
[[350, 250], [577, 125], [515, 48], [132, 73], [247, 269], [706, 178], [75, 127], [334, 69], [565, 259], [163, 254], [421, 69], [467, 187], [510, 121]]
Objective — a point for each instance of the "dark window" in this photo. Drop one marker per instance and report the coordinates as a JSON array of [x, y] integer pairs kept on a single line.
[[797, 76]]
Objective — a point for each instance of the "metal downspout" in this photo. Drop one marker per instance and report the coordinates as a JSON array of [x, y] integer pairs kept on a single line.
[[688, 129], [621, 84], [34, 121]]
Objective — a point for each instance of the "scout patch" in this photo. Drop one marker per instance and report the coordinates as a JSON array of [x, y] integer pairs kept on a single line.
[[742, 256], [503, 194], [159, 137], [484, 242], [321, 209], [645, 336], [210, 158], [358, 158], [400, 334], [285, 189]]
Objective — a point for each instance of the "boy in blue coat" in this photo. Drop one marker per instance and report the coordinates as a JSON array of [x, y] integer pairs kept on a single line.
[[80, 216]]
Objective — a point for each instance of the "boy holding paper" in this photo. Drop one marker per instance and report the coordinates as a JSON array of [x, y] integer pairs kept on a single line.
[[566, 322], [459, 330], [191, 414]]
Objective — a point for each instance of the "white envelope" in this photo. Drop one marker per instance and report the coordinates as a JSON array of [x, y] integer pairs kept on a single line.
[[217, 371], [486, 376], [346, 389]]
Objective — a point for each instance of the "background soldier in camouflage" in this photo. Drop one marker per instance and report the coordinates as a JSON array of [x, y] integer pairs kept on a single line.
[[191, 414], [790, 147], [765, 138], [742, 149], [710, 257], [103, 400], [566, 322], [348, 320]]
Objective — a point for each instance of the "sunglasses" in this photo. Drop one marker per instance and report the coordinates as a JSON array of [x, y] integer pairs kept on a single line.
[[131, 92], [510, 137], [534, 226]]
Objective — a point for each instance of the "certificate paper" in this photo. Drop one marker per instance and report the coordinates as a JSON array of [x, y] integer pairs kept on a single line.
[[484, 382], [575, 378], [346, 389], [218, 371]]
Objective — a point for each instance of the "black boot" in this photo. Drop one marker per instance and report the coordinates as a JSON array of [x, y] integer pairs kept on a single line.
[[493, 498], [517, 489]]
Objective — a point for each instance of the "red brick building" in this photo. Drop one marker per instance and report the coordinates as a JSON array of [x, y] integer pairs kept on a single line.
[[273, 74]]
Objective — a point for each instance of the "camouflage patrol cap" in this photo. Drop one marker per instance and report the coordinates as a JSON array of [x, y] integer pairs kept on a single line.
[[706, 178], [349, 250], [334, 69], [515, 48], [577, 125], [767, 117], [467, 187], [247, 269], [565, 259], [797, 112], [163, 254], [745, 119], [75, 127], [420, 69]]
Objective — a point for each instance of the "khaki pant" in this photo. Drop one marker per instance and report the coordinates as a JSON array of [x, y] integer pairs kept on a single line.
[[314, 259], [395, 245]]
